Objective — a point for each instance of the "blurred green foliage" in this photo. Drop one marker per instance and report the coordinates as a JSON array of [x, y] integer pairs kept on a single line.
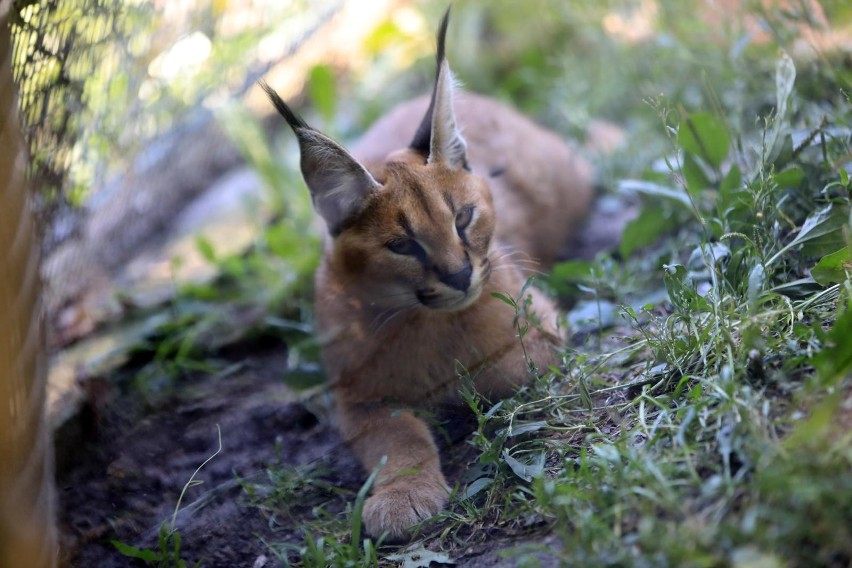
[[99, 79]]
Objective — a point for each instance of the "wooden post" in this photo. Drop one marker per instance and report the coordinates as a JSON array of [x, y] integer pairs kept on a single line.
[[28, 535]]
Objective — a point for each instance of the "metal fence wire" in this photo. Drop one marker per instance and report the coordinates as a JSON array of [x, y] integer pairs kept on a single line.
[[55, 46]]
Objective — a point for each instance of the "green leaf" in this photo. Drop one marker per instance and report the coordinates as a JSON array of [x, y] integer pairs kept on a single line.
[[730, 186], [654, 190], [778, 141], [833, 267], [835, 360], [476, 487], [828, 236], [821, 223], [706, 256], [384, 36], [133, 552], [694, 175], [782, 151], [791, 177], [821, 232], [573, 271], [503, 298], [705, 136], [565, 276], [284, 242], [682, 294], [785, 79], [608, 453], [798, 289], [643, 230], [523, 427], [323, 88], [756, 280], [205, 247], [493, 410], [176, 550], [522, 470]]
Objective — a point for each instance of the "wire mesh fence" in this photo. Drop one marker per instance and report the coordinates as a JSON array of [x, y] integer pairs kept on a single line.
[[63, 55]]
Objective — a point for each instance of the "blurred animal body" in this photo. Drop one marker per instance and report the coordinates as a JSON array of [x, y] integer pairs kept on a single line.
[[444, 201]]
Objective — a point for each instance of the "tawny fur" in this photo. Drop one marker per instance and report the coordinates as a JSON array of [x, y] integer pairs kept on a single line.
[[399, 329], [544, 190], [385, 364]]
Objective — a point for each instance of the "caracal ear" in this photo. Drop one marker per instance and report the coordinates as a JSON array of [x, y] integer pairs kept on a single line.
[[446, 143], [339, 184], [438, 136]]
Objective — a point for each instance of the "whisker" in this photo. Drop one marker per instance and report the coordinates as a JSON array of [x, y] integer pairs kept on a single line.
[[388, 320], [381, 315], [508, 254], [511, 253], [402, 293], [394, 314], [507, 258], [525, 261], [521, 269]]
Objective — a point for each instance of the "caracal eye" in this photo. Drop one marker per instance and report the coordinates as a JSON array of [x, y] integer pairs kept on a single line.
[[405, 247], [464, 217]]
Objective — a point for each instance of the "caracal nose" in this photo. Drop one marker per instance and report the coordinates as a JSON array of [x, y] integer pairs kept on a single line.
[[459, 280]]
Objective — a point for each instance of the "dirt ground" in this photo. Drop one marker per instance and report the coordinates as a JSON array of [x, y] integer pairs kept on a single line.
[[124, 480], [127, 476]]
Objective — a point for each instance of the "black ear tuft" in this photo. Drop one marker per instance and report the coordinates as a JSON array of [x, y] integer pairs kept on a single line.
[[422, 138], [293, 119], [442, 37], [338, 183]]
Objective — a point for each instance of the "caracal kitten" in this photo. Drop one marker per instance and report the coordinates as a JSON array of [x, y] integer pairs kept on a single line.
[[423, 226]]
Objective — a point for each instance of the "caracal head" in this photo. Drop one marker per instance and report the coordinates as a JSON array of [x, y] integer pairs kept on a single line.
[[416, 232]]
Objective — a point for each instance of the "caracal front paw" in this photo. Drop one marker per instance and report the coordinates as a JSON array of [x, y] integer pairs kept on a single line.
[[393, 509]]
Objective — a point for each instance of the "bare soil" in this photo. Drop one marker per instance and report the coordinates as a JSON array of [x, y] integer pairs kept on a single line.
[[124, 480]]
